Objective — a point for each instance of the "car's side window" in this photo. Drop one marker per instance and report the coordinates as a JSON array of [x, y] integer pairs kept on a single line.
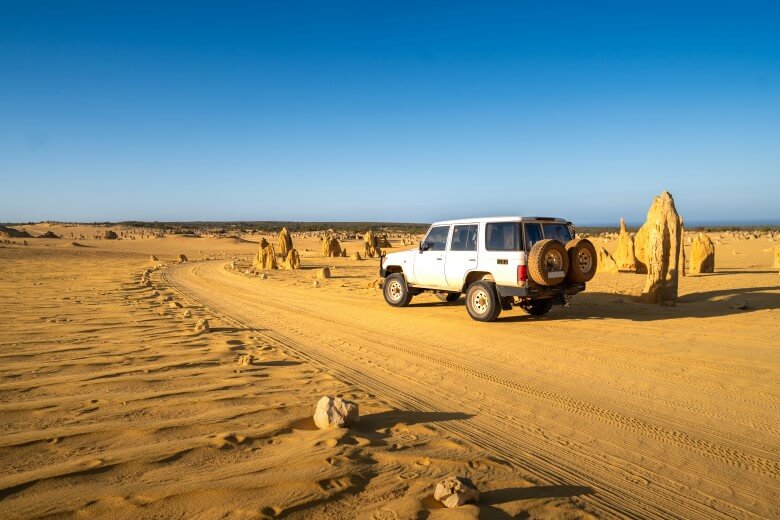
[[464, 238], [503, 236], [436, 239], [559, 232], [533, 234]]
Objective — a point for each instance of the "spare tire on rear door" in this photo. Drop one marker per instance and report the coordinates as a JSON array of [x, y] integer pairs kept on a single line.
[[548, 262], [582, 260]]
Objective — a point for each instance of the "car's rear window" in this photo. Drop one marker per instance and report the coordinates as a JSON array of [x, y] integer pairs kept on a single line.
[[503, 236], [558, 232]]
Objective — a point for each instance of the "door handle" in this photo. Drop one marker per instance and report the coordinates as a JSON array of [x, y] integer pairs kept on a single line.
[[472, 259], [438, 258]]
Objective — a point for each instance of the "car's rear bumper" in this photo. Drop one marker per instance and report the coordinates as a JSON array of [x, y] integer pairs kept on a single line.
[[539, 291]]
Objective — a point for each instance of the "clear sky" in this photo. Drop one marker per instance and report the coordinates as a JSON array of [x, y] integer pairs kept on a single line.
[[402, 111]]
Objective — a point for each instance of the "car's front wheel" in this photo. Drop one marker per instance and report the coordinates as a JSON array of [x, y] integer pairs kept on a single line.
[[482, 301], [396, 291]]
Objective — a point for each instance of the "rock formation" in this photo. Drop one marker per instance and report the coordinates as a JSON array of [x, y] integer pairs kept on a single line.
[[356, 256], [606, 263], [456, 491], [49, 234], [265, 258], [292, 260], [323, 273], [662, 251], [263, 243], [702, 255], [626, 261], [202, 326], [285, 242], [335, 413], [777, 257], [152, 258], [640, 250], [110, 235], [183, 258], [331, 246], [371, 245]]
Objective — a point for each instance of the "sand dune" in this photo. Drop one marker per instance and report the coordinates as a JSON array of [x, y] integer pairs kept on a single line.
[[112, 405]]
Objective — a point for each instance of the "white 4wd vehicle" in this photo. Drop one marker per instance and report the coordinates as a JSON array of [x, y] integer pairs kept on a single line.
[[531, 262]]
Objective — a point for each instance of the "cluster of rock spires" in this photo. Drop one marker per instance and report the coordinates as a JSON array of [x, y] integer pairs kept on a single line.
[[657, 251], [331, 247], [371, 245], [266, 257]]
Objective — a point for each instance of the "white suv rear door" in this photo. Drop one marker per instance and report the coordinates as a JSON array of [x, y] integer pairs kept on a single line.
[[461, 255]]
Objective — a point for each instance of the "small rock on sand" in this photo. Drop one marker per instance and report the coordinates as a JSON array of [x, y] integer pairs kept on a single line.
[[456, 491], [186, 314], [323, 273], [335, 413], [202, 325], [183, 258], [741, 305], [246, 360], [152, 258]]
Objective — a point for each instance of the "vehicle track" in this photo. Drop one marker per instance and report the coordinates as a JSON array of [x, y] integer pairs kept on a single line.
[[385, 362]]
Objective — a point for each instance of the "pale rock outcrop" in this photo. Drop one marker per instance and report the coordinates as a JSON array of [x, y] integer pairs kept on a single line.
[[335, 413], [456, 491], [640, 249], [356, 256], [702, 255], [606, 262], [246, 360], [186, 314], [662, 249], [371, 245], [202, 325], [265, 259], [292, 260], [626, 261], [777, 257], [285, 242], [331, 247]]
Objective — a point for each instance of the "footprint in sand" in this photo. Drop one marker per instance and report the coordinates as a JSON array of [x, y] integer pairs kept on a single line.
[[384, 514], [408, 475]]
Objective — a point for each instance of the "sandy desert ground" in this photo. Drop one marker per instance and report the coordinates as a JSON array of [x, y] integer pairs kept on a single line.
[[111, 406]]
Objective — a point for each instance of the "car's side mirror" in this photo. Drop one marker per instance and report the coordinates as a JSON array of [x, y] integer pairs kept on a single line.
[[423, 246]]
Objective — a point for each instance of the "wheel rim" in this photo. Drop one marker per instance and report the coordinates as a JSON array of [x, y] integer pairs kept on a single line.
[[480, 301], [395, 290], [584, 260], [554, 261]]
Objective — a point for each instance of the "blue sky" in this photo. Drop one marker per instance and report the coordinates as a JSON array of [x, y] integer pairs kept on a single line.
[[402, 111]]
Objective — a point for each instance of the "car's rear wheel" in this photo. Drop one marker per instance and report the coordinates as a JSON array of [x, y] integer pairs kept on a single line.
[[447, 296], [548, 262], [538, 307], [482, 301], [396, 291], [582, 260]]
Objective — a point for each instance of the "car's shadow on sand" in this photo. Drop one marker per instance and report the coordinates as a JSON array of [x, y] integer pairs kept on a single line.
[[604, 305]]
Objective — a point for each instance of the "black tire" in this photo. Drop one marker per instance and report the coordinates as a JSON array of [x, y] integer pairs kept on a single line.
[[538, 307], [548, 262], [447, 296], [396, 291], [583, 260], [482, 301]]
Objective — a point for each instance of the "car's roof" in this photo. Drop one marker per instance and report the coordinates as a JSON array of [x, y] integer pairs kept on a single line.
[[476, 220]]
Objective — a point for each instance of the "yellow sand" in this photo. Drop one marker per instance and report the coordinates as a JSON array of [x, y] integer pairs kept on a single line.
[[111, 406]]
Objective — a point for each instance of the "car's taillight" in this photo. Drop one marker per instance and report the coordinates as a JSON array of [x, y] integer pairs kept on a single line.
[[522, 274]]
